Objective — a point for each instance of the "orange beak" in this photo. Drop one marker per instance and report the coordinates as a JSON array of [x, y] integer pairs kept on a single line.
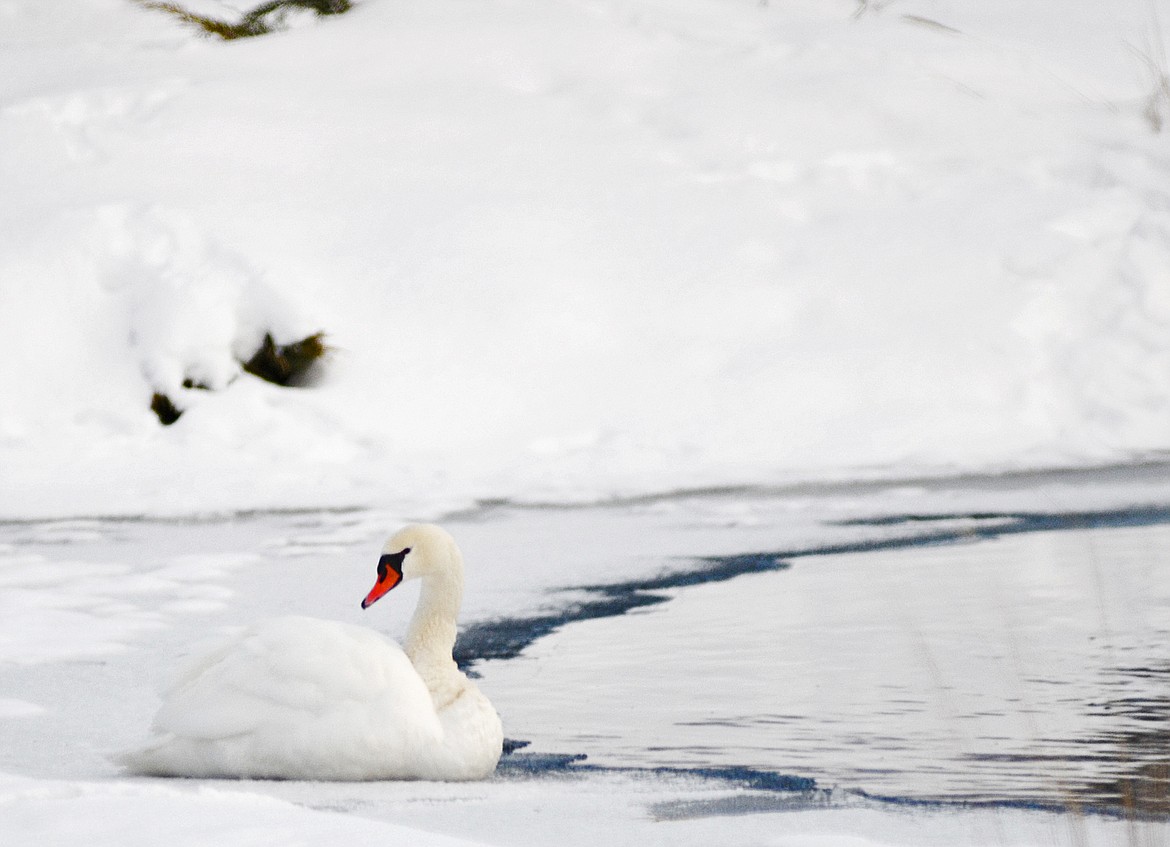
[[389, 575]]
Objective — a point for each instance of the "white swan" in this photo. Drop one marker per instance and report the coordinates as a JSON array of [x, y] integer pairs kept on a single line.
[[299, 698]]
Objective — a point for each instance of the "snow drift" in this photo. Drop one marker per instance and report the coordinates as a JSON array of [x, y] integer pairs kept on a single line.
[[569, 249]]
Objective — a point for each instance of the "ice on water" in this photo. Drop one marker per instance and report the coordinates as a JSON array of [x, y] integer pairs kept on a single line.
[[1024, 668]]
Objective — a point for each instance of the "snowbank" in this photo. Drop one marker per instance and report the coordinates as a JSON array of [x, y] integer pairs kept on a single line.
[[47, 812], [568, 249]]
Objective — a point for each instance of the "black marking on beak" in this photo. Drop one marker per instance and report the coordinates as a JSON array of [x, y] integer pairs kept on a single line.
[[391, 561], [389, 575]]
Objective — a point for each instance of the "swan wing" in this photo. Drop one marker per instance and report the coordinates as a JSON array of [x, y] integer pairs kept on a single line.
[[294, 697]]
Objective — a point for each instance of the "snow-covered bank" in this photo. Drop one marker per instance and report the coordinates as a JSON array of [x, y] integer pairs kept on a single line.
[[574, 813], [572, 249], [69, 814]]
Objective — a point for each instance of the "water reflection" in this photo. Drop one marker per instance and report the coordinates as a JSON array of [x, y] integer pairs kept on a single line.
[[1138, 764]]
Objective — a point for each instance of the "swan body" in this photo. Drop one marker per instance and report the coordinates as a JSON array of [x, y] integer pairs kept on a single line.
[[301, 698]]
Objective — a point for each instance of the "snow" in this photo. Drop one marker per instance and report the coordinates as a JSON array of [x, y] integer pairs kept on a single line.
[[97, 605], [571, 250], [64, 814], [13, 708], [741, 272], [57, 813]]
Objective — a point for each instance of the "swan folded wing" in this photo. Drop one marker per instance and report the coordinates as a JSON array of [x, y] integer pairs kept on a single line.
[[288, 670], [295, 696]]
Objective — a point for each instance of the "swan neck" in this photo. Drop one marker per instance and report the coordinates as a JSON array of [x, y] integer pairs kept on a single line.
[[430, 639]]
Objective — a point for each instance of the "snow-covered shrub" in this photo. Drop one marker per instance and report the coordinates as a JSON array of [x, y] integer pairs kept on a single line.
[[198, 314]]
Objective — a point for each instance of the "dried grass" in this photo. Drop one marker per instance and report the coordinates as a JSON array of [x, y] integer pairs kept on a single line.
[[262, 20], [287, 364]]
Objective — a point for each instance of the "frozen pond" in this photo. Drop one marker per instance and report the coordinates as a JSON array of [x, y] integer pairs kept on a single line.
[[913, 645]]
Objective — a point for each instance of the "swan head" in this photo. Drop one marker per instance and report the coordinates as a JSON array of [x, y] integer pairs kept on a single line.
[[414, 551]]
